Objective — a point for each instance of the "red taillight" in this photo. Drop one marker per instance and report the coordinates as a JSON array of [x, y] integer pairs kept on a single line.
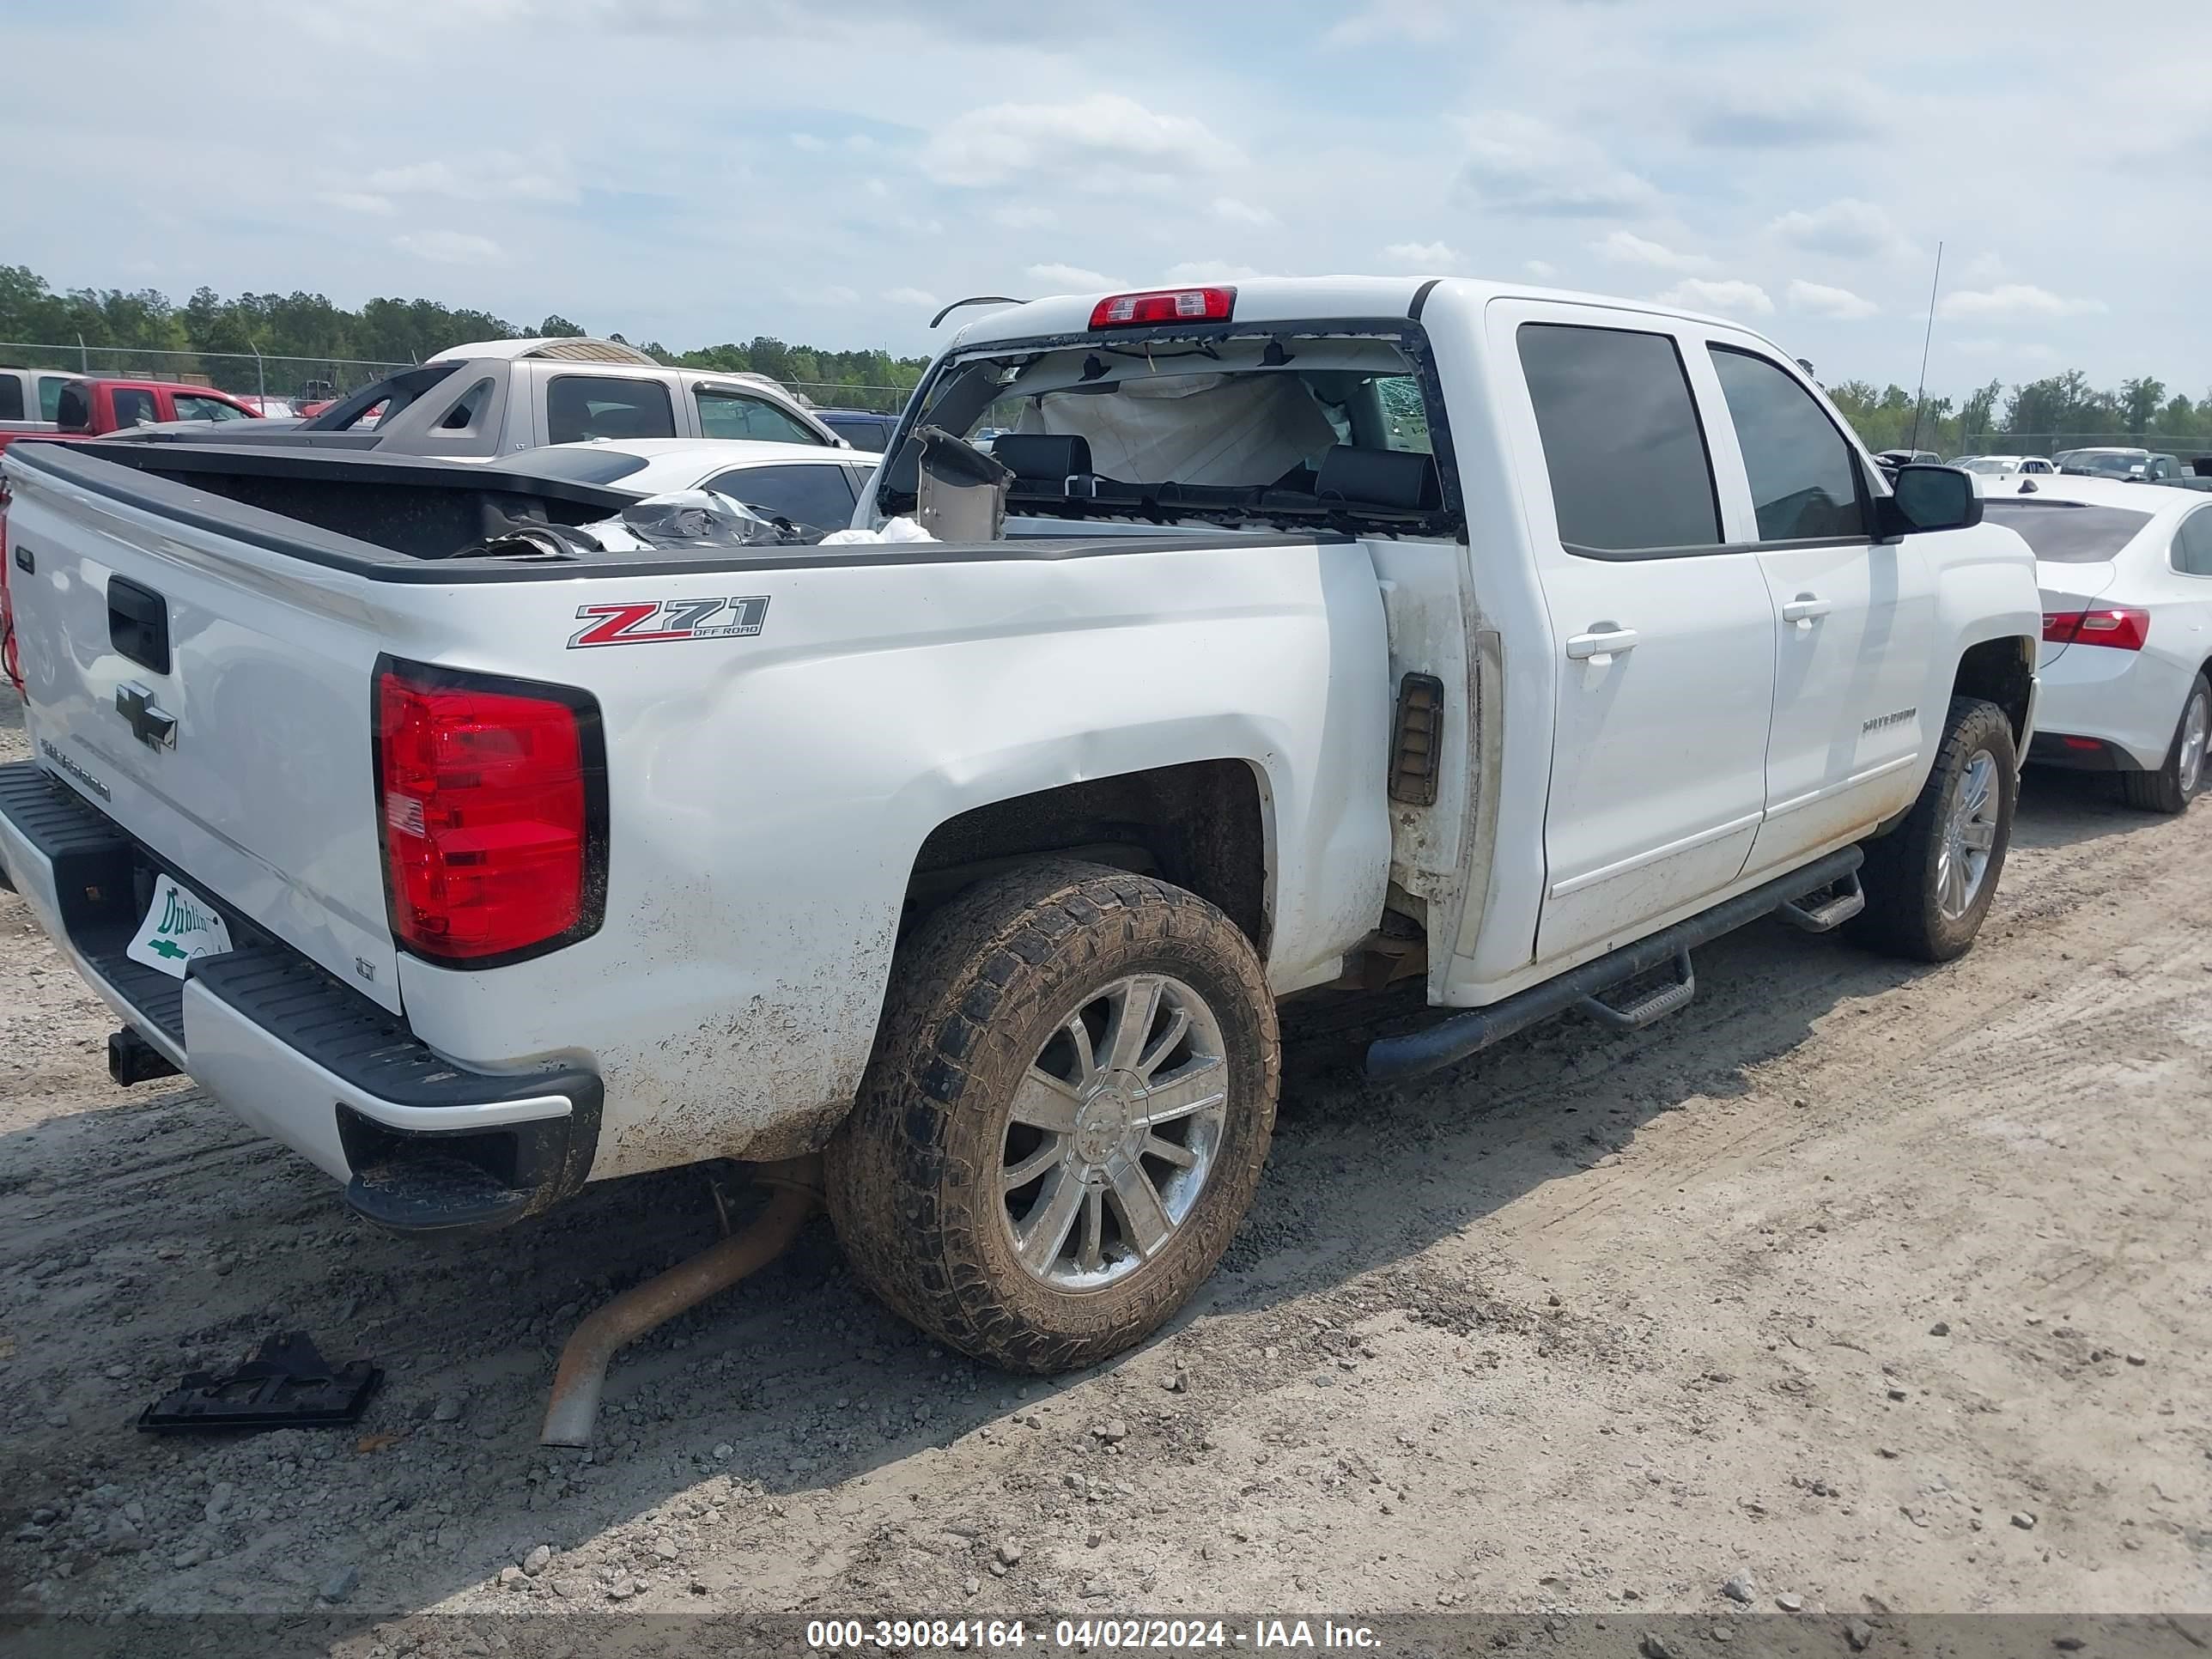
[[1164, 305], [2123, 627], [493, 807]]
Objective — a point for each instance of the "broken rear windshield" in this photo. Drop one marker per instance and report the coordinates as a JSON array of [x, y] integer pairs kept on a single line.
[[2068, 532], [1313, 428]]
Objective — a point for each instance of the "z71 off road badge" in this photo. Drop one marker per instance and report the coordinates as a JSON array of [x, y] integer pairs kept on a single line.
[[659, 621]]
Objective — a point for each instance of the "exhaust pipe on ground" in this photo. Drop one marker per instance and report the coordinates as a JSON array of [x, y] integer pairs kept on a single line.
[[582, 1375]]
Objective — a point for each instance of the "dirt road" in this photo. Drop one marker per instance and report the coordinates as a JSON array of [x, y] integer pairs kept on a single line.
[[1852, 1281]]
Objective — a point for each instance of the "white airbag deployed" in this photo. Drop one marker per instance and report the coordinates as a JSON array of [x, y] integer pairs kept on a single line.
[[1192, 428]]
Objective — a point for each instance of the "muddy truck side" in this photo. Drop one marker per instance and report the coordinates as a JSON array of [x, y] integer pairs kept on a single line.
[[1342, 631]]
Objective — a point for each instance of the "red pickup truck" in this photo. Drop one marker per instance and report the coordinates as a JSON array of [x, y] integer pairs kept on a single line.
[[89, 408]]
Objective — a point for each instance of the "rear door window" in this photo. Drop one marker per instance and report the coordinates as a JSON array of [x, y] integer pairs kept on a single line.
[[190, 408], [1622, 444], [2192, 544], [134, 408], [1805, 479], [725, 414], [11, 397], [819, 496], [581, 406], [50, 396]]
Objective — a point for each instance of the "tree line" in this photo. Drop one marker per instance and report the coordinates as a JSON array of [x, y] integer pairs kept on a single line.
[[309, 327], [2036, 414], [2054, 412]]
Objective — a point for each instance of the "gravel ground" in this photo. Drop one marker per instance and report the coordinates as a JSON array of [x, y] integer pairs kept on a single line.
[[1855, 1286]]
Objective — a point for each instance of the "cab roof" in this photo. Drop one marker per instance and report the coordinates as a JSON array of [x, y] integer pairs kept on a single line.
[[1301, 299]]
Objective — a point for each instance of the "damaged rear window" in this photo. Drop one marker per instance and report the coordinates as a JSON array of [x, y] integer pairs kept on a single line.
[[1321, 429]]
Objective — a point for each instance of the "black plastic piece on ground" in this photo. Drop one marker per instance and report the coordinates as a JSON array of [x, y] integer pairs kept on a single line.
[[288, 1385], [131, 1059], [421, 1190], [1650, 1008], [1454, 1039]]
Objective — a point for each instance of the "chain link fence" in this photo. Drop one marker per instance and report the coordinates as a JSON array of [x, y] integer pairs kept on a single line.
[[299, 378], [828, 394], [241, 374], [2051, 443]]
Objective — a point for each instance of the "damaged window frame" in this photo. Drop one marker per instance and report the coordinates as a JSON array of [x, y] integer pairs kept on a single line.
[[993, 367]]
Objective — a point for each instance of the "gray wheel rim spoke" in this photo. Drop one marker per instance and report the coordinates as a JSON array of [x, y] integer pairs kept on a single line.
[[1134, 1010], [1112, 1131], [2196, 725], [1043, 1102], [1969, 836], [1136, 1204], [1045, 1232]]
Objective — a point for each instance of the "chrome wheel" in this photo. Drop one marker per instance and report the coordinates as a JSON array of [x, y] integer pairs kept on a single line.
[[1112, 1131], [2195, 727], [1969, 835]]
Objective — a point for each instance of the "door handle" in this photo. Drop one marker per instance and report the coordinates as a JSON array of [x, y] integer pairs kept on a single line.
[[1605, 642], [1805, 610]]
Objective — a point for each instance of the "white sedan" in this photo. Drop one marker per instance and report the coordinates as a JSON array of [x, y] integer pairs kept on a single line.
[[2126, 574], [806, 485], [2003, 467]]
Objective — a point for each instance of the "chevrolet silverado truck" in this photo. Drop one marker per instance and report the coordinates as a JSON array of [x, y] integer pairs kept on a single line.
[[1342, 631]]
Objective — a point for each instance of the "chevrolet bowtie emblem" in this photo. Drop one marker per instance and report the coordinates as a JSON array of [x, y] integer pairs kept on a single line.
[[149, 723]]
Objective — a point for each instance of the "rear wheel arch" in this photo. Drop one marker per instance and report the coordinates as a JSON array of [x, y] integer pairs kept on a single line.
[[1206, 826]]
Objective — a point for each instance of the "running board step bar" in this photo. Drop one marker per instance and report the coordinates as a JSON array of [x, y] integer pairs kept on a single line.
[[1655, 1006], [1451, 1040], [1831, 912]]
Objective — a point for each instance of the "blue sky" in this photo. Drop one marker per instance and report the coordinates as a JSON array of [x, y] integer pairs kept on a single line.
[[694, 171]]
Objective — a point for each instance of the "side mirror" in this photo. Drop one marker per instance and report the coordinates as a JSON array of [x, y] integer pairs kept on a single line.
[[1925, 497]]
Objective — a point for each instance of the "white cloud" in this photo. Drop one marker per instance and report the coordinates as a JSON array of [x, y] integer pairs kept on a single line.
[[1424, 256], [1241, 213], [1389, 19], [1626, 248], [1211, 271], [355, 201], [834, 294], [489, 176], [2014, 300], [1819, 300], [1072, 279], [1701, 294], [877, 187], [1847, 227], [911, 296], [808, 141], [1023, 218], [1106, 142], [449, 248], [1543, 270], [1788, 112], [1518, 165]]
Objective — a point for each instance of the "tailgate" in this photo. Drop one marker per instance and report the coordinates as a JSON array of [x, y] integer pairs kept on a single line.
[[212, 697]]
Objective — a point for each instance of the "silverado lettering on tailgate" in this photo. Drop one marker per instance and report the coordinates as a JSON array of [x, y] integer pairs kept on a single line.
[[656, 621]]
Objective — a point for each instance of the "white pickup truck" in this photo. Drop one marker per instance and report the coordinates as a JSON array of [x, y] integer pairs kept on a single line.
[[1344, 631]]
